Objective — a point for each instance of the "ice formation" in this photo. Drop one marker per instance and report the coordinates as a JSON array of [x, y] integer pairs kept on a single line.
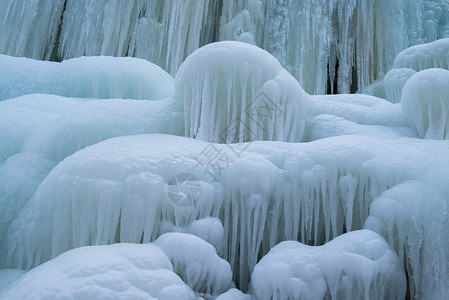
[[394, 81], [244, 96], [321, 43], [121, 271], [86, 77], [74, 173], [116, 191], [425, 102], [197, 263], [355, 265], [425, 56]]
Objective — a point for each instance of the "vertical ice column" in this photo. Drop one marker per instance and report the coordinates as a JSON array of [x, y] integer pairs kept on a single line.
[[29, 27]]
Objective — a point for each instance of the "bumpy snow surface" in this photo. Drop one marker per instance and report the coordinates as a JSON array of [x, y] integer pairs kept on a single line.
[[355, 208], [355, 265]]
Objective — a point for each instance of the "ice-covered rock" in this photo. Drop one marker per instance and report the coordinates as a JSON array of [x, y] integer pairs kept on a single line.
[[425, 56], [425, 102], [37, 131], [122, 190], [85, 77], [394, 81], [196, 262], [355, 265], [121, 271], [244, 96]]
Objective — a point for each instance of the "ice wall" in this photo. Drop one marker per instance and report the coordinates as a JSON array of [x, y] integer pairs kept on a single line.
[[335, 46], [29, 27]]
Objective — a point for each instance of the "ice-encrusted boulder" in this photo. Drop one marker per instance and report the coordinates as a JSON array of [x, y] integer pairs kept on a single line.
[[196, 262], [356, 265], [425, 56], [425, 103], [394, 82], [120, 271], [85, 77], [236, 92]]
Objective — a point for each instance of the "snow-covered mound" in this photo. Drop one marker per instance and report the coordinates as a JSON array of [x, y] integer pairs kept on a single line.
[[197, 263], [37, 131], [355, 265], [234, 92], [85, 77], [335, 115], [425, 56], [425, 102], [394, 82], [121, 190], [120, 271]]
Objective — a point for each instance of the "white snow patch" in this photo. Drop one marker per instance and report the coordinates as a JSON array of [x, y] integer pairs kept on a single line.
[[85, 77], [120, 271], [355, 265]]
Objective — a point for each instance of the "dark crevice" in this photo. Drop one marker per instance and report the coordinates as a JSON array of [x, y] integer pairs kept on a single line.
[[54, 56]]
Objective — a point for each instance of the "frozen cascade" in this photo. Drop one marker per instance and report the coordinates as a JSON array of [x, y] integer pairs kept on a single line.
[[29, 27], [244, 96], [116, 191], [321, 43]]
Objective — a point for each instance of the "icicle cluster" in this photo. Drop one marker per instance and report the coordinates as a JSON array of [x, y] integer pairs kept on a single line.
[[245, 95], [346, 44]]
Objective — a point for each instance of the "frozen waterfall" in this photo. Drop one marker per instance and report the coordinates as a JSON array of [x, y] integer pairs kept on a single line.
[[173, 149], [336, 46]]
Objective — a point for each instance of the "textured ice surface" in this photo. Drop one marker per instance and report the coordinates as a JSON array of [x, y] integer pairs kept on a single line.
[[196, 262], [85, 77], [117, 191], [334, 115], [38, 131], [121, 271], [316, 41], [425, 56], [29, 27], [425, 102], [394, 82], [244, 96], [355, 265]]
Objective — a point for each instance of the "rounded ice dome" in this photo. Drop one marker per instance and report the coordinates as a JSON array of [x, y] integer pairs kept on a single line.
[[235, 92], [425, 103]]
